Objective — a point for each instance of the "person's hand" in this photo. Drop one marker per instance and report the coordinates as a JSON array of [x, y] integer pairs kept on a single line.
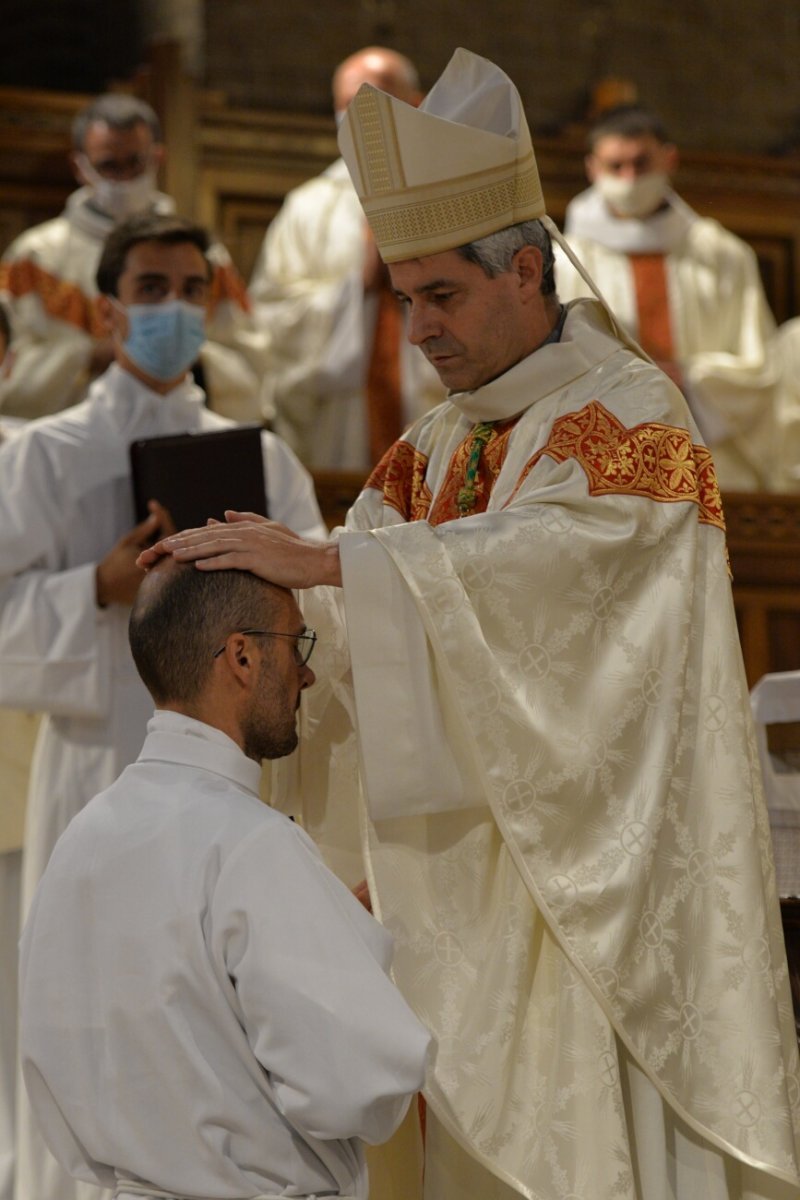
[[255, 544], [361, 893], [151, 554], [117, 576]]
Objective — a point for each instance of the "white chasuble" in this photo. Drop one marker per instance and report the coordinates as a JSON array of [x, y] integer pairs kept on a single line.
[[587, 919]]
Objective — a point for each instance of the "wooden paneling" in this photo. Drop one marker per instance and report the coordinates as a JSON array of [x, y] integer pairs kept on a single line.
[[336, 491], [35, 176], [764, 546]]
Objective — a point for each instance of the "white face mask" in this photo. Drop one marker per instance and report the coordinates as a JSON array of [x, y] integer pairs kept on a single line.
[[120, 198], [637, 197]]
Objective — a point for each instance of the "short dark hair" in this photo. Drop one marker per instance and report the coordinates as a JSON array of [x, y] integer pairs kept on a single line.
[[5, 326], [494, 252], [180, 619], [145, 227], [627, 121], [117, 110]]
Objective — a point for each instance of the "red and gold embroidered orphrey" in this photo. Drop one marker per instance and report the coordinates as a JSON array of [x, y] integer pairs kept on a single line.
[[658, 462], [400, 475], [445, 507], [655, 461]]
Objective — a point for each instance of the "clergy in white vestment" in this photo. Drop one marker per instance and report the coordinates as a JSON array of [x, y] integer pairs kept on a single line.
[[17, 733], [531, 677], [47, 277], [206, 1009], [687, 289], [340, 394], [68, 543]]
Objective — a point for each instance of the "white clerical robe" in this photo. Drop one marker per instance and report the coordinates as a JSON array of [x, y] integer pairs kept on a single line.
[[307, 292], [17, 733], [563, 822], [720, 323], [65, 501], [206, 1009], [47, 280]]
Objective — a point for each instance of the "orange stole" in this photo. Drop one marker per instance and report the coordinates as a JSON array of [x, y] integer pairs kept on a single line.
[[652, 305], [64, 301], [227, 285], [658, 462], [61, 300]]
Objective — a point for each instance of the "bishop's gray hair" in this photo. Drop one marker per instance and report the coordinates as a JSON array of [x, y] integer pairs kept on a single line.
[[494, 253]]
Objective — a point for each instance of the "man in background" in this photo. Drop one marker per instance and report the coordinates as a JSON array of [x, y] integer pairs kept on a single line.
[[206, 1009], [69, 541], [683, 286], [47, 277], [343, 380]]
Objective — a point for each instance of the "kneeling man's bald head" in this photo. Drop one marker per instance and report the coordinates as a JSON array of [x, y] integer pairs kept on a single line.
[[182, 614]]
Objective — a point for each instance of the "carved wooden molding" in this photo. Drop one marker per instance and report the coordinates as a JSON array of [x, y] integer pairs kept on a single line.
[[763, 531]]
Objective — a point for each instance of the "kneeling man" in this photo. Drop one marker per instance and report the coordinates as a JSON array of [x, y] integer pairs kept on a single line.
[[206, 1009]]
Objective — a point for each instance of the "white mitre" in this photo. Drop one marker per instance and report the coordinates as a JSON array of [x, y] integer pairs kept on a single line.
[[455, 169]]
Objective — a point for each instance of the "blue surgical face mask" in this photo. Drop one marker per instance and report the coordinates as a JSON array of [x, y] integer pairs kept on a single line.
[[164, 339]]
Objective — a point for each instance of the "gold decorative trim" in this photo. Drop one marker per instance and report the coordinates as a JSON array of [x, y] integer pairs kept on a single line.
[[400, 475], [658, 462]]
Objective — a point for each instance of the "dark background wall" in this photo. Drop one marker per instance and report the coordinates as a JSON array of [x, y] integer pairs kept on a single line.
[[724, 73], [69, 45]]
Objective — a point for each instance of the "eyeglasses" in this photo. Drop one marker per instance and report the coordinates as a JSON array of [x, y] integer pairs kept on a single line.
[[303, 642]]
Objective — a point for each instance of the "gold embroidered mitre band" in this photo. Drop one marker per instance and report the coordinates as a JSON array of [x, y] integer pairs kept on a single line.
[[455, 169]]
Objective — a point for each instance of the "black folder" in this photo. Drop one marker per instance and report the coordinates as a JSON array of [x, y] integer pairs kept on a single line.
[[199, 475]]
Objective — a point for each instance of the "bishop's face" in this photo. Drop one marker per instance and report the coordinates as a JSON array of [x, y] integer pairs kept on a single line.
[[471, 328]]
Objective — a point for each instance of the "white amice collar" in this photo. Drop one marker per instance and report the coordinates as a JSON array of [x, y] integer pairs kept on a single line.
[[588, 217], [587, 338], [81, 212]]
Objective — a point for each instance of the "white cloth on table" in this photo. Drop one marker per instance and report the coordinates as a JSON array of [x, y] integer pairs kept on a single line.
[[205, 1008]]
